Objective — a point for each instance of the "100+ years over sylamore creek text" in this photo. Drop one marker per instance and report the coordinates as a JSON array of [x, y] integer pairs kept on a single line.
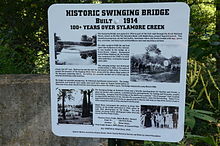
[[110, 27]]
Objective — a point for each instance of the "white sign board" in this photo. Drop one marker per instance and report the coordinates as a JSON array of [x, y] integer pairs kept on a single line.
[[119, 70]]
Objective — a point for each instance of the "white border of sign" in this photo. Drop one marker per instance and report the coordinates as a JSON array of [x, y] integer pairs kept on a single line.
[[71, 32]]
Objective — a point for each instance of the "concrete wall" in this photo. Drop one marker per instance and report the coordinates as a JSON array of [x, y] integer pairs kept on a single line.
[[25, 114]]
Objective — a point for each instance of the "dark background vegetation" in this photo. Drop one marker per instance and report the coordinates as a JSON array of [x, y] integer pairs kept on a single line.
[[24, 50]]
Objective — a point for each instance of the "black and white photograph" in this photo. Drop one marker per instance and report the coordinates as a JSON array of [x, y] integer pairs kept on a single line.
[[159, 117], [75, 106], [156, 63], [82, 51]]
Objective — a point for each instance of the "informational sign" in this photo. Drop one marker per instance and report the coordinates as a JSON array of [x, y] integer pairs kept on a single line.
[[119, 70]]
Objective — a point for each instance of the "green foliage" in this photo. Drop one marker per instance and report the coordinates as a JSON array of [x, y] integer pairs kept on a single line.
[[203, 38], [24, 33], [15, 62], [203, 100]]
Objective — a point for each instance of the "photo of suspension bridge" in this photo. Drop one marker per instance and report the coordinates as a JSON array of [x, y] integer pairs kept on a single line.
[[153, 65], [81, 52]]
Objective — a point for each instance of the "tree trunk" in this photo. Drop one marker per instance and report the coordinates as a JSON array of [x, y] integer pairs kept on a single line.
[[63, 104], [89, 102], [84, 105]]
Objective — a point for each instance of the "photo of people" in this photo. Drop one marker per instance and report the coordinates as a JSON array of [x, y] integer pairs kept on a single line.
[[159, 117], [155, 63], [82, 52], [75, 106]]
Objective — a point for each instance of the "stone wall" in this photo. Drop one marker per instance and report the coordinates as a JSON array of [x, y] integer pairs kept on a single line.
[[25, 114]]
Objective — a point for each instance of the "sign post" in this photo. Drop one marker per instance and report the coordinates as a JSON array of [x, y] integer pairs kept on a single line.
[[119, 70]]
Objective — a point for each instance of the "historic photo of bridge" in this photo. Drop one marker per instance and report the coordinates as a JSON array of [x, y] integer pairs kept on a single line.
[[155, 65], [75, 106], [81, 52]]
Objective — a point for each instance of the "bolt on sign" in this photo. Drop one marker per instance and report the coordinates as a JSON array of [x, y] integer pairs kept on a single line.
[[119, 70]]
